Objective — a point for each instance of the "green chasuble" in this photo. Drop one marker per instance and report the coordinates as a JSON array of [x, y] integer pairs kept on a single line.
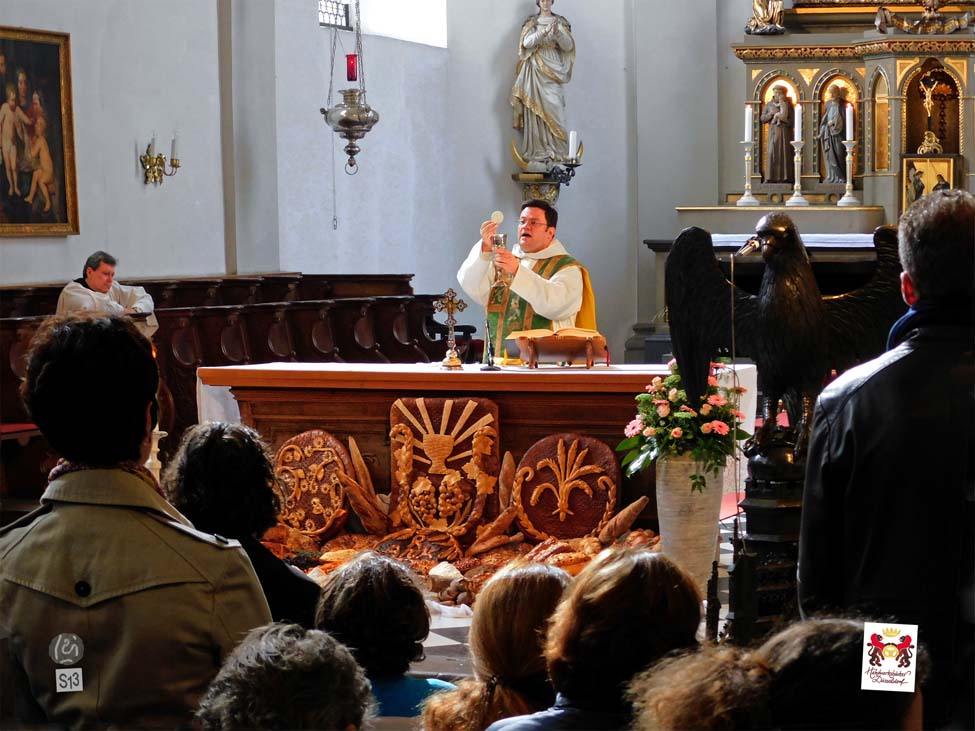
[[507, 312]]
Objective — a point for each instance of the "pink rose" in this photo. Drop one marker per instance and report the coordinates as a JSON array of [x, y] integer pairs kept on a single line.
[[677, 433], [673, 394], [663, 410], [717, 400], [705, 428], [656, 382], [705, 409], [712, 381], [720, 427], [634, 427], [671, 363], [648, 432]]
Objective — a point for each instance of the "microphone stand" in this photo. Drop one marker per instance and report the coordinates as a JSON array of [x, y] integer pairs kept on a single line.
[[488, 349]]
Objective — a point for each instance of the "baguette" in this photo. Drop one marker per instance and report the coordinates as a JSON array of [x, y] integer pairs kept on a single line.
[[361, 471], [506, 480], [482, 546], [621, 522], [374, 520]]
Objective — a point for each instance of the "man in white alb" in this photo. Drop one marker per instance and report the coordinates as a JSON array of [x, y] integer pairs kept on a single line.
[[97, 290]]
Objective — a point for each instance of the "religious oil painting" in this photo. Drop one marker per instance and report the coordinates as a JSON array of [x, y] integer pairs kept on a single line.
[[38, 196], [923, 175]]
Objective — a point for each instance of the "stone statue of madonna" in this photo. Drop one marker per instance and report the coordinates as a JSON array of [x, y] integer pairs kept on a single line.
[[546, 53]]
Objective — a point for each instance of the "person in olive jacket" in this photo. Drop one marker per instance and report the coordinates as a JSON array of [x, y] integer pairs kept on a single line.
[[114, 610]]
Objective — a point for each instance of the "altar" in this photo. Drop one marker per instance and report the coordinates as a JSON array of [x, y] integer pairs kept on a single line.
[[354, 399]]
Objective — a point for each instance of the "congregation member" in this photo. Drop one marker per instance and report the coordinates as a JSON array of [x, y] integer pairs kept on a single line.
[[284, 676], [96, 290], [889, 503], [537, 284], [627, 609], [222, 479], [114, 610], [806, 676], [507, 638], [374, 605]]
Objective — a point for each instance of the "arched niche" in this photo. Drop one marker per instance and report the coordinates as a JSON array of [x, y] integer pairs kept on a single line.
[[851, 94], [932, 103], [763, 92], [880, 94]]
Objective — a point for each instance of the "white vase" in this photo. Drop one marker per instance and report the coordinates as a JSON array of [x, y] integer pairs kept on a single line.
[[688, 518]]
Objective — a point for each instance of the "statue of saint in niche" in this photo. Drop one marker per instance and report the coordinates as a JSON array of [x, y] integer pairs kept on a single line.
[[832, 131], [777, 113], [546, 54]]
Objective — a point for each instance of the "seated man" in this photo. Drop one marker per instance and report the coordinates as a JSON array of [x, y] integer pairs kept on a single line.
[[114, 610], [97, 290], [537, 285], [285, 676]]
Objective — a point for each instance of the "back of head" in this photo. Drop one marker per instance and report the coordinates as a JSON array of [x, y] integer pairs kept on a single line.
[[507, 638], [282, 676], [374, 605], [625, 610], [937, 245], [222, 479], [90, 379], [806, 676]]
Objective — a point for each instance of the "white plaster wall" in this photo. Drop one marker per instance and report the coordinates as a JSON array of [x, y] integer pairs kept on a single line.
[[597, 218], [137, 66]]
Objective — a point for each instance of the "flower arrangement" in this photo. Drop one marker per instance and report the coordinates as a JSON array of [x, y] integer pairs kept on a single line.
[[666, 424]]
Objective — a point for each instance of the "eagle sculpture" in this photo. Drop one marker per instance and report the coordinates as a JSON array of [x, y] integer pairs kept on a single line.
[[795, 335]]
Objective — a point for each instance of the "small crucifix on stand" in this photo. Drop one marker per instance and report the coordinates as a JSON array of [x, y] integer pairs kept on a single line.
[[450, 304]]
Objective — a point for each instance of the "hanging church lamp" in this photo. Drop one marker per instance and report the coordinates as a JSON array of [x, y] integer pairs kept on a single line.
[[352, 118]]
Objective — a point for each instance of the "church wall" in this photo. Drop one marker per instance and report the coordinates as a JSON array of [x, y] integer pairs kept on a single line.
[[597, 213], [136, 67]]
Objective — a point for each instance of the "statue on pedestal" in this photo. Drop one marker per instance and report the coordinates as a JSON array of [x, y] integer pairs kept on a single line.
[[546, 54], [766, 18]]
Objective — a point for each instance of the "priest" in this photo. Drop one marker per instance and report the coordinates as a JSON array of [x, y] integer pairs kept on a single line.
[[536, 285]]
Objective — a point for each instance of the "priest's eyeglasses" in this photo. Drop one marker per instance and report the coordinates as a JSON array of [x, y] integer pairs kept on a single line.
[[530, 222]]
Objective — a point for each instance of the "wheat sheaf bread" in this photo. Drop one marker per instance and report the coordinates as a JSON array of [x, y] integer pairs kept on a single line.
[[547, 492]]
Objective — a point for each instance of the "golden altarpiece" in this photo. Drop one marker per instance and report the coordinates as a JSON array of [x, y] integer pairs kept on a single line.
[[906, 72]]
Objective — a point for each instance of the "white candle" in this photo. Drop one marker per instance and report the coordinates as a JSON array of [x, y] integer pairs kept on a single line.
[[152, 145], [573, 144], [849, 121], [797, 130], [173, 152], [748, 122]]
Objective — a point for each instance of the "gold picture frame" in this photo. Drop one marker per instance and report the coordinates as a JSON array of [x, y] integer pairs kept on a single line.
[[39, 197], [923, 175]]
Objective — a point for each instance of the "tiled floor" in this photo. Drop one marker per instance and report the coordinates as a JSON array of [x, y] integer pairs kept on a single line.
[[446, 648]]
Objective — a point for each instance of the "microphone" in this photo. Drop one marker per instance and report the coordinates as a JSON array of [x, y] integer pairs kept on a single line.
[[488, 349]]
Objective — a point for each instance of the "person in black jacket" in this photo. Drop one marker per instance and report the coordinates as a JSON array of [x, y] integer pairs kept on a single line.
[[888, 511], [222, 479]]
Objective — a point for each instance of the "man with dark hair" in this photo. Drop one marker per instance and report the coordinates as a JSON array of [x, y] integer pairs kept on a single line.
[[97, 290], [283, 676], [114, 611], [889, 502], [536, 285]]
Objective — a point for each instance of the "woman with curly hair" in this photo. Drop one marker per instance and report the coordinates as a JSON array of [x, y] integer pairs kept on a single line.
[[806, 676], [374, 605], [625, 610], [222, 479], [506, 640]]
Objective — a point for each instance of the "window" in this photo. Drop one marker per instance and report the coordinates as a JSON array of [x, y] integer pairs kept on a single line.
[[334, 13]]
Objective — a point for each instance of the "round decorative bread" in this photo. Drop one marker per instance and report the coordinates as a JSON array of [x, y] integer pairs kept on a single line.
[[566, 487], [307, 467]]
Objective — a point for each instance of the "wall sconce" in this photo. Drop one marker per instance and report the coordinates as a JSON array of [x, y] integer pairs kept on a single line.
[[155, 164]]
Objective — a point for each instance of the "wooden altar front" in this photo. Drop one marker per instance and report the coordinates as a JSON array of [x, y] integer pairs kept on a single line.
[[354, 399]]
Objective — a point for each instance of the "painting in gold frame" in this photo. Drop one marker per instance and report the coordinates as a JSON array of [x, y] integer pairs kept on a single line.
[[923, 175], [38, 193]]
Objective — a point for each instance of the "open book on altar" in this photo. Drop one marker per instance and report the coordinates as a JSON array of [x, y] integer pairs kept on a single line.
[[566, 345]]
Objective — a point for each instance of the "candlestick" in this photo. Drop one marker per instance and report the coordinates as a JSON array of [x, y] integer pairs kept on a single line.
[[848, 198], [748, 199], [748, 122], [797, 130], [797, 198]]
